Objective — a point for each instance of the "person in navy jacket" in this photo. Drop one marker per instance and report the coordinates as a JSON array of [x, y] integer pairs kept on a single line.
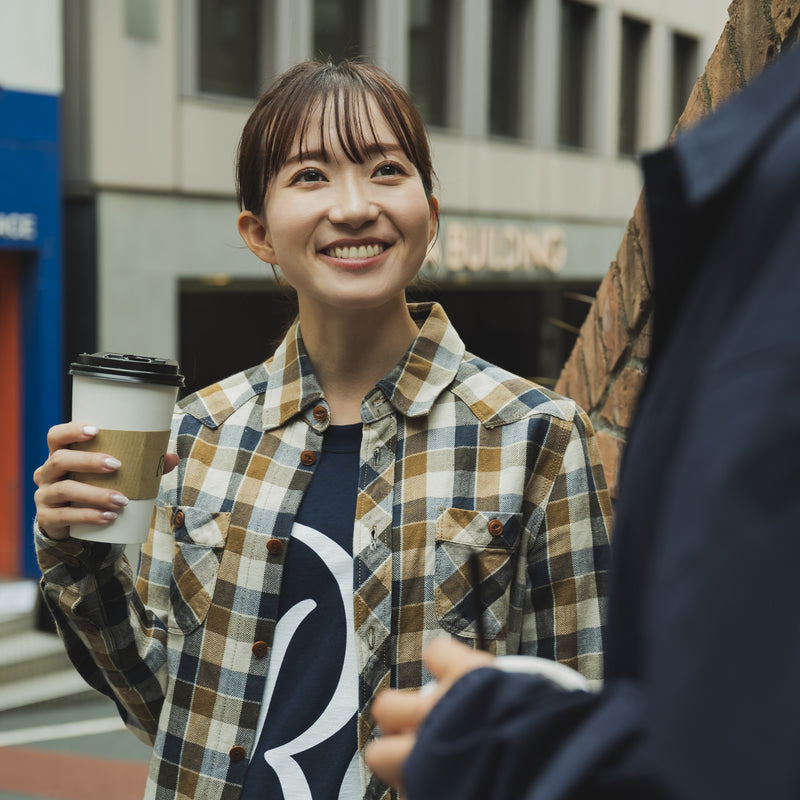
[[702, 686]]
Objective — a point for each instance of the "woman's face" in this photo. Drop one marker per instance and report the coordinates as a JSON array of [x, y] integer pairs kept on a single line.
[[347, 235]]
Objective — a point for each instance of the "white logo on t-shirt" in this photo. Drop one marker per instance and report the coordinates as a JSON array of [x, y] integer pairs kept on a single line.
[[344, 701]]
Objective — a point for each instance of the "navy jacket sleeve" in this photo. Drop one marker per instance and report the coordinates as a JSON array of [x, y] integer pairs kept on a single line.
[[498, 735]]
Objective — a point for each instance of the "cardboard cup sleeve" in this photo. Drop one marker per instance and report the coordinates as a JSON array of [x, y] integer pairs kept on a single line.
[[142, 456]]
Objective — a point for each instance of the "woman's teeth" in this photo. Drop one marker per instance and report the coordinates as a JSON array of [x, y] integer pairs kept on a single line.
[[363, 251]]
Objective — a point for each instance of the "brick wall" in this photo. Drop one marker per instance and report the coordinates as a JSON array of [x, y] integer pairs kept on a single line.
[[607, 367]]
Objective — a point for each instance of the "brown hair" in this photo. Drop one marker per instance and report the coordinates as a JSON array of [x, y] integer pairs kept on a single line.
[[341, 91]]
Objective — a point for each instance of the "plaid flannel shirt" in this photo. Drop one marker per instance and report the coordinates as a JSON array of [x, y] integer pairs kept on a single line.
[[457, 456]]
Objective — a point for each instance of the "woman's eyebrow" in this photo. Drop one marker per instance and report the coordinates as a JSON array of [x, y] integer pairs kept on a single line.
[[377, 148], [369, 151], [307, 155]]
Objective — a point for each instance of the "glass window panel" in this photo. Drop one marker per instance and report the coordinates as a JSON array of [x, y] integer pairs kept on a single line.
[[507, 64], [634, 47], [228, 47], [428, 58], [141, 20], [578, 32], [684, 71], [338, 30]]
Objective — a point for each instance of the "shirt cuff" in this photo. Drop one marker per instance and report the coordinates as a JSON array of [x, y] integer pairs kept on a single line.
[[78, 556]]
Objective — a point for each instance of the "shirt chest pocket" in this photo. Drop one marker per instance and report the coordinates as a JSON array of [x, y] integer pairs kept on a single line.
[[200, 538], [493, 538]]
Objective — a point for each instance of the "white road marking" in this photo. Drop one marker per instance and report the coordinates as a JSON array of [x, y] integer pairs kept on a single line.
[[68, 730]]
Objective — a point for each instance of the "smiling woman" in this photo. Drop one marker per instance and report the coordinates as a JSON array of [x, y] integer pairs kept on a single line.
[[368, 488]]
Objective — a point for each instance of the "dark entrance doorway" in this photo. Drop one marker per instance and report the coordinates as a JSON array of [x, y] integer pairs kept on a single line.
[[529, 330]]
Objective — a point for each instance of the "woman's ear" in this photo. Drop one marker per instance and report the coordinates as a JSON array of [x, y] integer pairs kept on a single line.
[[256, 236], [434, 222]]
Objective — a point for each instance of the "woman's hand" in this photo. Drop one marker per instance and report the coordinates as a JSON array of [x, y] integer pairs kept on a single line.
[[399, 714], [61, 501]]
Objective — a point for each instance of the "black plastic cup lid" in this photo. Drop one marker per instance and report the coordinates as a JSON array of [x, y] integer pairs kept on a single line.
[[126, 367]]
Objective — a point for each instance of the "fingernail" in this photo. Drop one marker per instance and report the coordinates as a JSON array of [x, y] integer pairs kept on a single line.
[[89, 430], [112, 463], [119, 499], [109, 515]]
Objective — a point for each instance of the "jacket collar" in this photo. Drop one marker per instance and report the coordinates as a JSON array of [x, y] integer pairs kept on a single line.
[[425, 371], [710, 155]]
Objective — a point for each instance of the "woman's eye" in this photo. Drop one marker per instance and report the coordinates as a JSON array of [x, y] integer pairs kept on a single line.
[[308, 176], [389, 169]]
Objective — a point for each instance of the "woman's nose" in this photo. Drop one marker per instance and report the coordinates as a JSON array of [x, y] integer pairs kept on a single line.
[[352, 204]]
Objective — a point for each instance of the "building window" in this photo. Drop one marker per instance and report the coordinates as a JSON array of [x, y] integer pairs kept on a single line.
[[428, 58], [509, 26], [338, 29], [684, 71], [632, 71], [141, 20], [578, 48], [228, 60]]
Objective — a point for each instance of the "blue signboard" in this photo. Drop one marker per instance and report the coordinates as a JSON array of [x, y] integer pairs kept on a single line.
[[30, 203]]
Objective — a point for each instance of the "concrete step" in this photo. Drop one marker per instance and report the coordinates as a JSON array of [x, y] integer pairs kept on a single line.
[[17, 596], [30, 654], [63, 686], [16, 623], [34, 668]]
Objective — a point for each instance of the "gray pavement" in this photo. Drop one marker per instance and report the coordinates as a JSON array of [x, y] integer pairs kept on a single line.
[[63, 751], [63, 728]]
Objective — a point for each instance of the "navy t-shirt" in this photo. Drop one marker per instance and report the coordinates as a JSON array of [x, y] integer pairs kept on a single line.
[[307, 746]]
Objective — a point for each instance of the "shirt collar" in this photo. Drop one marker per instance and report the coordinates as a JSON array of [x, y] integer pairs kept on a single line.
[[425, 371]]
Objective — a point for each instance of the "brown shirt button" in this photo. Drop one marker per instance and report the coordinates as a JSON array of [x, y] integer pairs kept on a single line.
[[260, 649], [320, 413], [237, 752], [308, 457], [179, 519], [274, 546], [495, 527]]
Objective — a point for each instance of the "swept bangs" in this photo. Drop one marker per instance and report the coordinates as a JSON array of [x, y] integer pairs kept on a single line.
[[279, 126]]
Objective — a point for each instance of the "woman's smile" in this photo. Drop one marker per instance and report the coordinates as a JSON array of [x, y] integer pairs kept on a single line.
[[354, 252], [355, 255]]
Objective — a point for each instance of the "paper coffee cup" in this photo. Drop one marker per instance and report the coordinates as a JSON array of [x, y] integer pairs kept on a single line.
[[130, 400], [559, 674]]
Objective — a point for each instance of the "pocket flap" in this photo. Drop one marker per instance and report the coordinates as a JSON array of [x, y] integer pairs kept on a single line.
[[479, 528], [206, 528]]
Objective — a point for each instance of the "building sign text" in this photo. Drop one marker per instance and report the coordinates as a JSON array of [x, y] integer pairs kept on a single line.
[[19, 227], [470, 247]]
